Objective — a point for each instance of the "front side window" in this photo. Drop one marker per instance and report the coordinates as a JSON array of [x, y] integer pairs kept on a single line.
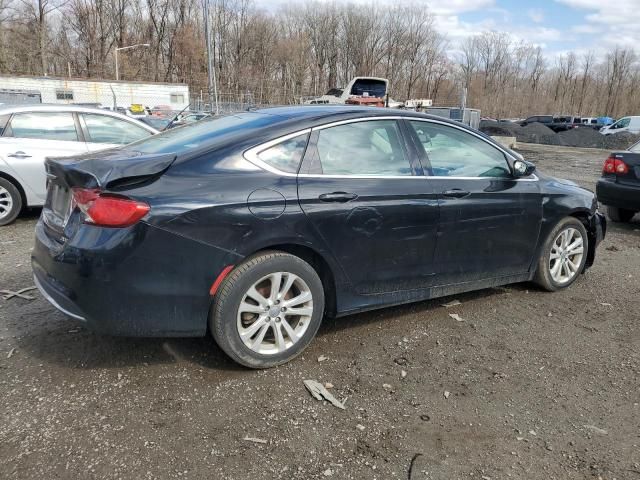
[[285, 156], [622, 123], [363, 148], [106, 129], [456, 153], [43, 126]]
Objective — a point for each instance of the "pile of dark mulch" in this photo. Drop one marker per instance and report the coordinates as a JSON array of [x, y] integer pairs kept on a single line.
[[499, 129], [576, 137], [620, 141], [582, 137], [537, 133]]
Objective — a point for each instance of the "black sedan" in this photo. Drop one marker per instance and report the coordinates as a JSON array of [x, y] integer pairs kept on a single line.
[[255, 226], [619, 186]]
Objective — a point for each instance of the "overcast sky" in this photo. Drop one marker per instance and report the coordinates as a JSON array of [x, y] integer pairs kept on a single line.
[[556, 25]]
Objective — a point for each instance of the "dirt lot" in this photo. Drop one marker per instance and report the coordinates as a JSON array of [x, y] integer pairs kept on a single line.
[[539, 385]]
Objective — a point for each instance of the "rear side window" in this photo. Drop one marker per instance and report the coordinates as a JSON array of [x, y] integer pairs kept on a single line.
[[363, 148], [285, 156], [455, 153], [44, 126], [106, 129]]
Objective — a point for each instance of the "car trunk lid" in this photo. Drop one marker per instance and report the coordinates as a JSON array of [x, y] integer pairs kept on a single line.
[[111, 171]]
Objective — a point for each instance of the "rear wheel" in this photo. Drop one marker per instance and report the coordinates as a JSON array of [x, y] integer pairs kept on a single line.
[[563, 255], [10, 202], [267, 310], [620, 214]]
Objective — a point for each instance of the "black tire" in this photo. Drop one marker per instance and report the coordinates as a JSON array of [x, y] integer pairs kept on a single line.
[[620, 214], [13, 196], [543, 274], [224, 312]]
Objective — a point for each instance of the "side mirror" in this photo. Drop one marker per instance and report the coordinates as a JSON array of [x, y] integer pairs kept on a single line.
[[522, 168]]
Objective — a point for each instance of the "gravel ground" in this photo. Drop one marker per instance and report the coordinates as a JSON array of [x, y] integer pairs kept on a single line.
[[530, 385]]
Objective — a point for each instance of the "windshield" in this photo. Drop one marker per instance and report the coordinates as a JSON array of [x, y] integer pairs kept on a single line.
[[198, 134]]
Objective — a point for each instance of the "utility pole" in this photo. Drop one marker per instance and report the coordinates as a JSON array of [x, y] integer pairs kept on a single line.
[[211, 70], [126, 48]]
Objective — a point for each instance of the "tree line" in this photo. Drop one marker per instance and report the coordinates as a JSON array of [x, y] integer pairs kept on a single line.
[[279, 55]]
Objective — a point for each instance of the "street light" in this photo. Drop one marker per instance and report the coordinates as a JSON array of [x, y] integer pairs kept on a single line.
[[127, 48]]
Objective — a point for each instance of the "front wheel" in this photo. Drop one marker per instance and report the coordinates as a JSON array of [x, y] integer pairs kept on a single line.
[[563, 255], [267, 310], [620, 214]]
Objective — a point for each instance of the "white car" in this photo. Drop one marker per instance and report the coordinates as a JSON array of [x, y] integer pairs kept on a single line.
[[30, 133], [625, 124]]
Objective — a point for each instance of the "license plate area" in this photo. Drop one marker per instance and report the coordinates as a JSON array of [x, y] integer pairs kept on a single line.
[[58, 206]]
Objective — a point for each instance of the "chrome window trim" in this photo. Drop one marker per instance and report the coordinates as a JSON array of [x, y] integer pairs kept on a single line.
[[252, 154]]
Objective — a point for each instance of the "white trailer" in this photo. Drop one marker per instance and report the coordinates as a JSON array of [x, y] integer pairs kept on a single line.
[[106, 93]]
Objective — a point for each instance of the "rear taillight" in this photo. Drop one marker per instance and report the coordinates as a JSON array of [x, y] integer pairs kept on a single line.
[[108, 210], [615, 166]]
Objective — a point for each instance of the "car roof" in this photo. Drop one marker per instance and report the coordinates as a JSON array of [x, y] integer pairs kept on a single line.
[[38, 107], [328, 113]]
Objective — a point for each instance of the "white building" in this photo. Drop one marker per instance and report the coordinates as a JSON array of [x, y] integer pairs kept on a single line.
[[107, 93]]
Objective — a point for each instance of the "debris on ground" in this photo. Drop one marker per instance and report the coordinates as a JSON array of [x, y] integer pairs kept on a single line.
[[322, 358], [360, 427], [255, 440], [598, 430], [9, 294], [456, 317], [446, 394], [402, 361], [452, 303], [328, 472], [319, 392], [10, 354], [403, 373]]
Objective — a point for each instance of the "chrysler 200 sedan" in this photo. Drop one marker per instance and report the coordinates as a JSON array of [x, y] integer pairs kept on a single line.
[[254, 226]]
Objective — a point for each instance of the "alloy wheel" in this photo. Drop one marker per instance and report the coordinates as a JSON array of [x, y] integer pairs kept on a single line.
[[566, 255], [6, 202], [274, 313]]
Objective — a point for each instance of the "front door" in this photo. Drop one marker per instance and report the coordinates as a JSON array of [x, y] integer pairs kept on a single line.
[[362, 188], [489, 221]]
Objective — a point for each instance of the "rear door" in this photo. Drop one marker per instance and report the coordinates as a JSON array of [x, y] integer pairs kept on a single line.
[[30, 137], [489, 221], [105, 131], [362, 188]]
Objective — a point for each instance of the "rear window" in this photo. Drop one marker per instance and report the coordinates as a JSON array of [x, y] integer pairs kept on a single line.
[[635, 148], [199, 134]]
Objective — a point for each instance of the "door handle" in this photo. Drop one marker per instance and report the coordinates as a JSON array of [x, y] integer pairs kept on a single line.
[[455, 193], [340, 197], [19, 154]]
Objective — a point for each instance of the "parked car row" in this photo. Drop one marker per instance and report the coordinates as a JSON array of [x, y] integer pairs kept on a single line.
[[605, 125]]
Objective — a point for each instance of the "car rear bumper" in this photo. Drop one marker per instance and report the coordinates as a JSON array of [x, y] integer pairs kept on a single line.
[[138, 281], [618, 195]]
